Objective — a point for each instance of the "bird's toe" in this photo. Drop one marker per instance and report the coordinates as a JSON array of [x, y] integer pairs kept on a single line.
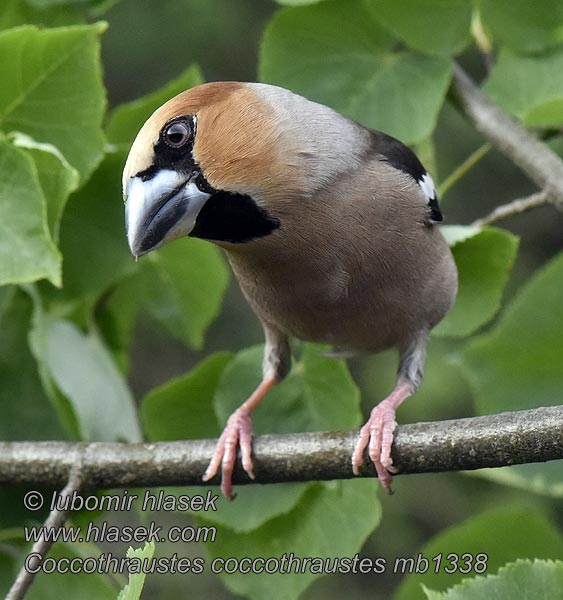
[[237, 432], [377, 436]]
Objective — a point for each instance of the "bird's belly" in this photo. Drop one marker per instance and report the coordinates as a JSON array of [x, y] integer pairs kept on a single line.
[[354, 301], [341, 325], [332, 313]]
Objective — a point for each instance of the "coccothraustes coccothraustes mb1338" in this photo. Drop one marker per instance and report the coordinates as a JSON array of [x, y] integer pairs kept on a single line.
[[328, 227]]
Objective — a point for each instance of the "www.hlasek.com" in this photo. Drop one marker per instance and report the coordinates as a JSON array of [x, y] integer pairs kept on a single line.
[[287, 563]]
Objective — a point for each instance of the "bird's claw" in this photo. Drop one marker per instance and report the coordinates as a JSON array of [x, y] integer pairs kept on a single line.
[[237, 432], [377, 436]]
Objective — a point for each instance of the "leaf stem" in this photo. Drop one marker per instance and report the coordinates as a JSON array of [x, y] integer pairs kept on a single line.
[[482, 40], [463, 168]]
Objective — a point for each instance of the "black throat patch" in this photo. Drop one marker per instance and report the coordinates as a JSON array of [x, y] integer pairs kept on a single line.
[[234, 218]]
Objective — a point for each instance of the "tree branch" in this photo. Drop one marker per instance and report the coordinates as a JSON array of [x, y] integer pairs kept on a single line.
[[461, 444], [535, 158], [55, 520], [515, 207]]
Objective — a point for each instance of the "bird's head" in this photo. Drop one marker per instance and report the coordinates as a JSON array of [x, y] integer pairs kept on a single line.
[[222, 161]]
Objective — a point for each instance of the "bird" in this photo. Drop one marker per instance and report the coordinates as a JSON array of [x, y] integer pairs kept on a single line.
[[329, 227]]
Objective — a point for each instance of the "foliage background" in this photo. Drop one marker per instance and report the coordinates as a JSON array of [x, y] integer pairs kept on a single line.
[[90, 340]]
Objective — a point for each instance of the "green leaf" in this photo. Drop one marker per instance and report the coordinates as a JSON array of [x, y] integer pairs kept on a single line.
[[99, 7], [93, 240], [56, 176], [118, 315], [433, 26], [27, 250], [184, 285], [48, 3], [539, 478], [37, 341], [84, 371], [529, 87], [134, 589], [520, 579], [126, 120], [484, 262], [333, 520], [298, 2], [183, 407], [27, 413], [52, 90], [522, 25], [503, 534], [7, 293], [336, 54], [518, 364], [255, 505], [459, 233], [318, 394], [19, 12]]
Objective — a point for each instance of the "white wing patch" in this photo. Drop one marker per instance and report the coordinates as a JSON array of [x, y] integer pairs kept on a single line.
[[428, 187]]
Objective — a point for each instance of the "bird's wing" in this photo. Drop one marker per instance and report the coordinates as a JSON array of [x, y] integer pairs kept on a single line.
[[401, 157]]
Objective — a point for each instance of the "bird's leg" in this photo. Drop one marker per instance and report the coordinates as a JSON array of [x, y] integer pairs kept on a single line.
[[238, 430], [377, 434]]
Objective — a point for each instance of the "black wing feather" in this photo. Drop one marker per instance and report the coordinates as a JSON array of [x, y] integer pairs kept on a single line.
[[404, 159]]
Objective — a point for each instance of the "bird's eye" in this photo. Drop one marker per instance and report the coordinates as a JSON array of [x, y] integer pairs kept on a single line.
[[177, 134]]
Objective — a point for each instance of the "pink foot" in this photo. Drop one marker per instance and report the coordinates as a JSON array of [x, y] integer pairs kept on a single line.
[[237, 432], [377, 436]]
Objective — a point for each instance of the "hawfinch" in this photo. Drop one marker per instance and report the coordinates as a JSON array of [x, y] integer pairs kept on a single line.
[[328, 226]]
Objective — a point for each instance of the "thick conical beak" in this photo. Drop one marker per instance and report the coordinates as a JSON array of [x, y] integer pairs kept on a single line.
[[161, 209]]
